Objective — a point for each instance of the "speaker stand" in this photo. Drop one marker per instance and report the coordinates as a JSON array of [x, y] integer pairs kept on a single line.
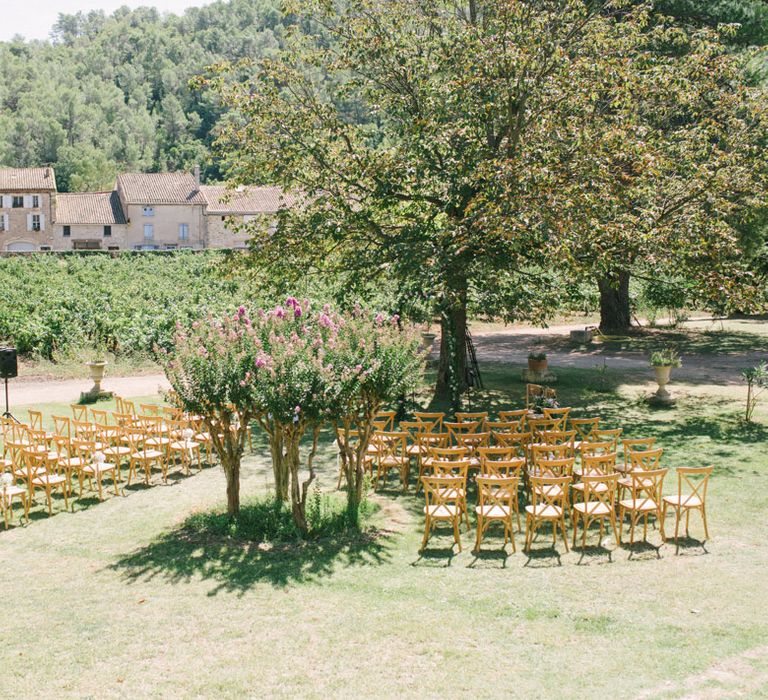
[[7, 413]]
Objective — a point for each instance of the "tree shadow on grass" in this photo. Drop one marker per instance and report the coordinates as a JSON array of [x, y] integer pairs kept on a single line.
[[235, 566]]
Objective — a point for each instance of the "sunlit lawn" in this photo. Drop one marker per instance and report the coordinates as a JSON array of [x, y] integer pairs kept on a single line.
[[115, 600]]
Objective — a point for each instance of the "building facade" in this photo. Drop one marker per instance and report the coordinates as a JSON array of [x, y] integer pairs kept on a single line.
[[27, 205], [145, 211]]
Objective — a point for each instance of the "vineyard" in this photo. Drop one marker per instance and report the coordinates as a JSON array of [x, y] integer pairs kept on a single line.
[[54, 305]]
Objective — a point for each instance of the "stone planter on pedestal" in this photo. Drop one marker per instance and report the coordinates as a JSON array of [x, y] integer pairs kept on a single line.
[[662, 396], [428, 340], [96, 369]]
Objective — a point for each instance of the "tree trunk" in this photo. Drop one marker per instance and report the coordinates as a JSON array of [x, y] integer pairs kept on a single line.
[[279, 467], [232, 471], [614, 303], [452, 366]]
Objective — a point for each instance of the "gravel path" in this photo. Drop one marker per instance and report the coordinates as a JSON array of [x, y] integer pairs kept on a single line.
[[31, 391]]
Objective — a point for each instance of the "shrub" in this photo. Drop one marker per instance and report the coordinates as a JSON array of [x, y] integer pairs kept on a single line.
[[666, 357]]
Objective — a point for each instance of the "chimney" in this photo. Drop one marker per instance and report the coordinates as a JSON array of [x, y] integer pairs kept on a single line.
[[197, 175], [47, 172]]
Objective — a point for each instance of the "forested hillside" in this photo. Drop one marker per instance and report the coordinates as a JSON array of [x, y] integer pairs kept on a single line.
[[111, 93]]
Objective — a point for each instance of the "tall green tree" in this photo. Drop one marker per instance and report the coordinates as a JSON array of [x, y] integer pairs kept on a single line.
[[470, 173]]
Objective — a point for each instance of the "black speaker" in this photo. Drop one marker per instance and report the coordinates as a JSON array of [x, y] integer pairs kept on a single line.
[[9, 367]]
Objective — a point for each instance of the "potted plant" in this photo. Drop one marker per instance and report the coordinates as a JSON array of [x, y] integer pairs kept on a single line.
[[428, 337], [662, 362], [96, 367], [537, 362]]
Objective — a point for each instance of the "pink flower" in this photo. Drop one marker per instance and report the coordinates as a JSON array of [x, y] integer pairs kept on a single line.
[[195, 324], [293, 302], [279, 312], [241, 311], [379, 319], [358, 368], [297, 409], [297, 311]]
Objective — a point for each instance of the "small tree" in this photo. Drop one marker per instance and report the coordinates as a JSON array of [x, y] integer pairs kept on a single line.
[[757, 382], [210, 369], [290, 394], [376, 361]]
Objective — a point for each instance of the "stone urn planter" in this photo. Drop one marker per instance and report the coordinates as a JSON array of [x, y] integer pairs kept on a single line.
[[428, 340], [663, 373], [662, 362], [537, 363], [96, 369]]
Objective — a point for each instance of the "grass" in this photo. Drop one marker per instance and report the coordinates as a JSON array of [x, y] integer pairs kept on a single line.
[[128, 598]]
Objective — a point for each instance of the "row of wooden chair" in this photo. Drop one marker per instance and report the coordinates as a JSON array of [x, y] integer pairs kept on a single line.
[[93, 450]]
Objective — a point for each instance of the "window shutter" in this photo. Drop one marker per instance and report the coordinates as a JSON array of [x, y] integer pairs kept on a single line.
[[27, 201], [42, 222], [5, 222], [7, 201], [3, 200], [29, 222]]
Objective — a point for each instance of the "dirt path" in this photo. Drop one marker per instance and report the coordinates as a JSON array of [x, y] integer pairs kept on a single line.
[[31, 391], [514, 344]]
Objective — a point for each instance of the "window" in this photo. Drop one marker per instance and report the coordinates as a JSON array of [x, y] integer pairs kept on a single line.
[[113, 247], [18, 201], [149, 231], [66, 231], [2, 222], [183, 232], [35, 201], [35, 222], [148, 211], [107, 231], [45, 248]]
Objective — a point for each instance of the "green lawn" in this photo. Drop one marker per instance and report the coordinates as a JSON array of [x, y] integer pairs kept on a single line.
[[116, 600]]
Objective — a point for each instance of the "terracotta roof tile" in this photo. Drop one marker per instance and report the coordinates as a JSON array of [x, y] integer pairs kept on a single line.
[[89, 208], [248, 200], [18, 179], [159, 188]]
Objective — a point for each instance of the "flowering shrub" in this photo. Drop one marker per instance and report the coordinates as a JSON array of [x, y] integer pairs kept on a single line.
[[294, 369], [211, 370]]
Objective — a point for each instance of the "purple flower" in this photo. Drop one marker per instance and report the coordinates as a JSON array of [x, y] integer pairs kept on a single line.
[[379, 318], [279, 312], [297, 311], [241, 311], [293, 302]]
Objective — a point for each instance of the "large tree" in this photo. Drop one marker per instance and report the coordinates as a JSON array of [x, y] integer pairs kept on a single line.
[[470, 117]]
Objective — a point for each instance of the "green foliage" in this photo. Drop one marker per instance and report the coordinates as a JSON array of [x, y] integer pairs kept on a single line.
[[267, 520], [757, 382], [537, 356], [54, 304], [111, 93], [666, 357]]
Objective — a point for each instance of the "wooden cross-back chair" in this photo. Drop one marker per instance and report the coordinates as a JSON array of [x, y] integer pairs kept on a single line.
[[465, 428], [548, 505], [540, 453], [633, 445], [518, 414], [598, 504], [441, 495], [503, 467], [114, 446], [609, 435], [79, 412], [458, 468], [184, 445], [559, 414], [586, 428], [384, 421], [535, 391], [518, 441], [645, 490], [142, 456], [692, 485], [149, 409], [495, 453], [497, 503], [92, 468], [391, 453], [41, 473], [434, 419], [473, 417], [473, 441], [503, 426], [593, 465], [537, 426], [9, 493]]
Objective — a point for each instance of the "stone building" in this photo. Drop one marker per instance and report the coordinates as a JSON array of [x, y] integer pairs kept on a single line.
[[27, 203], [145, 211]]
